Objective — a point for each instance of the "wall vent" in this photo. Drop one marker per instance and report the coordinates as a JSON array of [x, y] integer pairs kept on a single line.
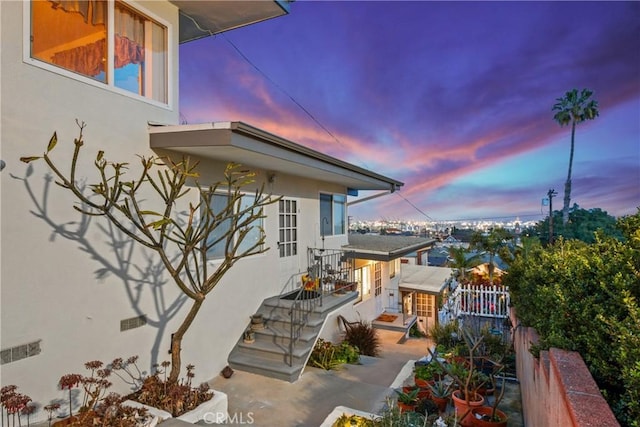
[[133, 322], [19, 352]]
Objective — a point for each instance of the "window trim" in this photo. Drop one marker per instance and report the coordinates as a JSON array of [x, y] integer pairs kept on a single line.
[[109, 86]]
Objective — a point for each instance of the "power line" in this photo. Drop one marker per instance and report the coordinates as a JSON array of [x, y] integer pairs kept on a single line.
[[414, 206], [281, 89], [307, 112]]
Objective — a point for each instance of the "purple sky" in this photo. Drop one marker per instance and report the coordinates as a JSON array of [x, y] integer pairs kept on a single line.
[[452, 98]]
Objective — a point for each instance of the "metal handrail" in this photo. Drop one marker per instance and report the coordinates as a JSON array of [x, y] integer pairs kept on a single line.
[[325, 268]]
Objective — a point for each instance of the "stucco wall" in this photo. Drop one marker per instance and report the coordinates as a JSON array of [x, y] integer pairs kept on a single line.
[[557, 389], [67, 283], [62, 284]]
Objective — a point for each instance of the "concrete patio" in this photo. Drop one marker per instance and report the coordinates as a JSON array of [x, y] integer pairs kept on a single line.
[[267, 402]]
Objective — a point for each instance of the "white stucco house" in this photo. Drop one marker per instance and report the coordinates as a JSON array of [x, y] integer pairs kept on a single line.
[[73, 289]]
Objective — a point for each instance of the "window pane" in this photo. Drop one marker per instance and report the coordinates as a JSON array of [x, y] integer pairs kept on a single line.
[[287, 230], [139, 54], [157, 72], [326, 218], [254, 234], [339, 214], [71, 35], [218, 203]]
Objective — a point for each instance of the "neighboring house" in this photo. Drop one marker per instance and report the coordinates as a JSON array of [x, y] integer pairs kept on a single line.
[[438, 256], [451, 241], [74, 289], [393, 295]]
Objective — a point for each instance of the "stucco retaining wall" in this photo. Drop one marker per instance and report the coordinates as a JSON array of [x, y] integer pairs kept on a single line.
[[557, 389]]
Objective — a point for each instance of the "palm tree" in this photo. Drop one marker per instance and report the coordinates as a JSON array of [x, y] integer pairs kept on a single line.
[[573, 108], [491, 243], [461, 260]]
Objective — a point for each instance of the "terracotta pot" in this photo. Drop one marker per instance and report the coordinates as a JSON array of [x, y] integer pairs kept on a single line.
[[424, 393], [408, 388], [486, 411], [464, 409], [442, 403], [404, 407], [421, 383]]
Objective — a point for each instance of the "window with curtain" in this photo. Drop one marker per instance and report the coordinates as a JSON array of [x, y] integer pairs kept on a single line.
[[333, 213], [75, 35]]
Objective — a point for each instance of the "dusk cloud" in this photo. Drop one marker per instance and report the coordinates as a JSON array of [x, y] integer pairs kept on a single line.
[[453, 93]]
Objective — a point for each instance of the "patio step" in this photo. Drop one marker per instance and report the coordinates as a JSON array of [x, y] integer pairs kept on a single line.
[[268, 355]]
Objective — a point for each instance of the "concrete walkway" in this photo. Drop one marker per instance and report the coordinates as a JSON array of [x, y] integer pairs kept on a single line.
[[308, 401], [267, 402]]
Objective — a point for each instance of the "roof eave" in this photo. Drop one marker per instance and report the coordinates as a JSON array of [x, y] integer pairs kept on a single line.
[[202, 18], [246, 144]]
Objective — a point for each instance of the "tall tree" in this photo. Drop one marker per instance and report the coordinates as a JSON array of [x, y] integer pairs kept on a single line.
[[575, 107], [151, 209]]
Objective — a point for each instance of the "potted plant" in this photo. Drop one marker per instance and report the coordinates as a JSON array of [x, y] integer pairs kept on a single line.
[[424, 375], [407, 401], [422, 392], [441, 393], [466, 396], [491, 416]]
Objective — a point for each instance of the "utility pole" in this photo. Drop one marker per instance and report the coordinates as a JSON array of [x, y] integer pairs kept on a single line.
[[551, 194]]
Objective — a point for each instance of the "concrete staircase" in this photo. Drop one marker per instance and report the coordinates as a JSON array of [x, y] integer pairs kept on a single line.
[[268, 355]]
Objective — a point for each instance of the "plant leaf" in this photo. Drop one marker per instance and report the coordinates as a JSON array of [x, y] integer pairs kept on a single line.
[[158, 224], [29, 159], [52, 142]]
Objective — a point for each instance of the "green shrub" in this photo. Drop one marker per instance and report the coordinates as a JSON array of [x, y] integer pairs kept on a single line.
[[446, 335], [328, 356], [324, 356], [414, 332], [347, 353], [584, 297]]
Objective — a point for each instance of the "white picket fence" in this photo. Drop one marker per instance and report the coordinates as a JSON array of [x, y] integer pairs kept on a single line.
[[488, 301]]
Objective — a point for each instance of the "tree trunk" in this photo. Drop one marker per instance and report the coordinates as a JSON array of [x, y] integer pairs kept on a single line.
[[567, 184], [176, 338], [567, 201]]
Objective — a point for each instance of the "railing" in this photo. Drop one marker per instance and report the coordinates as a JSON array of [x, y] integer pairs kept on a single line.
[[480, 300], [328, 270]]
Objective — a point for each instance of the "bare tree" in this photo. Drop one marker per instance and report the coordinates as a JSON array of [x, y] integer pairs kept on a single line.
[[183, 238]]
